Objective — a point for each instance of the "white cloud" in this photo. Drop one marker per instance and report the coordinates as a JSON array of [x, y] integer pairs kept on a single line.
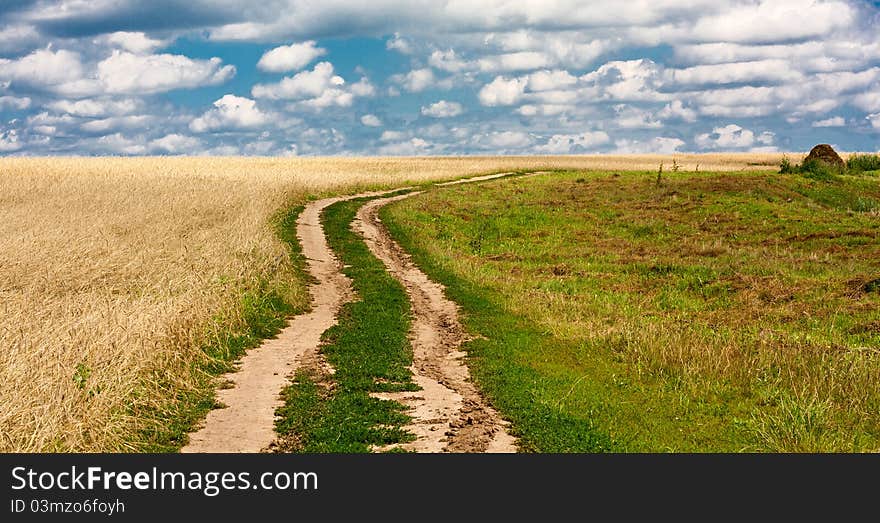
[[135, 42], [362, 87], [676, 110], [230, 112], [291, 57], [836, 121], [874, 119], [656, 145], [93, 107], [14, 102], [631, 80], [399, 44], [775, 21], [42, 68], [48, 130], [119, 144], [391, 136], [732, 136], [574, 143], [629, 117], [307, 84], [330, 97], [125, 72], [550, 80], [9, 141], [502, 141], [522, 61], [869, 101], [741, 72], [502, 91], [412, 147], [18, 37], [371, 120], [416, 80], [176, 143], [448, 61], [116, 123], [443, 109]]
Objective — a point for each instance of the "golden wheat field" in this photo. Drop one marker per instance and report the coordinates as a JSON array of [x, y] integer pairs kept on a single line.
[[113, 269]]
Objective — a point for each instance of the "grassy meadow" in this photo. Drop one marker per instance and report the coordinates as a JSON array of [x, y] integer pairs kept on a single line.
[[690, 311], [127, 284]]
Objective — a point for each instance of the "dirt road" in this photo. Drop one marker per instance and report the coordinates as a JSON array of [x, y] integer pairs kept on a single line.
[[247, 423], [448, 414]]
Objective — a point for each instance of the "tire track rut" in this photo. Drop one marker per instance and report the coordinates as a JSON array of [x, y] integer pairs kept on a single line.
[[449, 414]]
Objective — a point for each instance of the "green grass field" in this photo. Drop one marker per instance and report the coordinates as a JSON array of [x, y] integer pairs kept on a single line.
[[707, 312]]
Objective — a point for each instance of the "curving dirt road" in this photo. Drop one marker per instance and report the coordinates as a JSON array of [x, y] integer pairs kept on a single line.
[[247, 423], [449, 415]]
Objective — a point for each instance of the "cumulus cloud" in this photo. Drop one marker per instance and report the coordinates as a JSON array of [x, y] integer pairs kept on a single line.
[[656, 145], [117, 143], [732, 136], [125, 72], [629, 117], [574, 143], [503, 141], [443, 109], [17, 37], [676, 110], [416, 80], [135, 42], [176, 144], [307, 84], [114, 123], [9, 141], [835, 121], [291, 57], [371, 120], [43, 68], [230, 112], [411, 147], [97, 107], [14, 102], [503, 91]]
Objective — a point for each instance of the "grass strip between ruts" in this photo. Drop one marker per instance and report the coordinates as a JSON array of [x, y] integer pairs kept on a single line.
[[369, 350]]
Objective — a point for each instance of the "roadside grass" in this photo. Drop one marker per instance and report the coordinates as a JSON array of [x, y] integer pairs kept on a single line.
[[369, 350], [714, 312]]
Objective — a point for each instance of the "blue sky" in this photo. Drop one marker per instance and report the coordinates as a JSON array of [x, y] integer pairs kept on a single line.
[[298, 77]]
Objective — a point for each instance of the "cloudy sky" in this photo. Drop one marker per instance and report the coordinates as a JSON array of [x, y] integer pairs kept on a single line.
[[331, 77]]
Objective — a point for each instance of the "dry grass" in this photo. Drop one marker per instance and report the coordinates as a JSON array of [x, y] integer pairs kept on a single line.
[[113, 270]]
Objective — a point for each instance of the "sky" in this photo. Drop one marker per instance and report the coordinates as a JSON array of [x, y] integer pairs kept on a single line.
[[454, 77]]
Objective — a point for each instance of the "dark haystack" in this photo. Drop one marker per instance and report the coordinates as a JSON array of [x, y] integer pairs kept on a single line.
[[826, 154]]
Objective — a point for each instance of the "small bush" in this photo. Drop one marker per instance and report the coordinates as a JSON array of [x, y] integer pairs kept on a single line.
[[819, 170], [813, 169], [786, 167], [860, 163]]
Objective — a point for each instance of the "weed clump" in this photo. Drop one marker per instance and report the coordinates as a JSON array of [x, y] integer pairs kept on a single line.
[[863, 163]]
